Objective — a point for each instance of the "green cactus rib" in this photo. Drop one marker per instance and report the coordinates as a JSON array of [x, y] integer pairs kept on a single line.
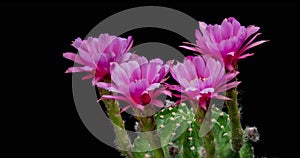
[[223, 137], [169, 123], [236, 127], [113, 111], [193, 143], [178, 129], [222, 133]]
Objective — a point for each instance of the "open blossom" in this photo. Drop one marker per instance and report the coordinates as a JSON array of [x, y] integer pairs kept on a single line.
[[137, 82], [202, 78], [95, 54], [226, 42]]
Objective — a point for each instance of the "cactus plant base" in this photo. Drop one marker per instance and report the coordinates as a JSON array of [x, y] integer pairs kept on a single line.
[[179, 136]]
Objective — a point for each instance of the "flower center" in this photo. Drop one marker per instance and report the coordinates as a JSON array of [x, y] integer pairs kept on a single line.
[[203, 78], [204, 99], [230, 57], [145, 99]]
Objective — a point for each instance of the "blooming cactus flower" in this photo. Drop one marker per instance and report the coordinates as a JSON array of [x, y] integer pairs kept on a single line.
[[202, 78], [95, 54], [225, 42], [137, 82]]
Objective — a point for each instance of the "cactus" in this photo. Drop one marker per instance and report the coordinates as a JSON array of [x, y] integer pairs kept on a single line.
[[223, 137], [180, 138], [179, 135], [140, 147], [179, 131], [222, 131]]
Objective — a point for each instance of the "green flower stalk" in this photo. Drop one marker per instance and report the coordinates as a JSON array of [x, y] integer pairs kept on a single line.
[[148, 125], [234, 115], [208, 139], [113, 111]]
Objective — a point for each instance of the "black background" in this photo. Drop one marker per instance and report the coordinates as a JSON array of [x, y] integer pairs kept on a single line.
[[43, 118]]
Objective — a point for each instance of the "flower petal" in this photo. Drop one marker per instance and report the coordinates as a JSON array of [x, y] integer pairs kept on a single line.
[[125, 108], [78, 69], [74, 57], [248, 43], [251, 30], [230, 76], [190, 48], [207, 90], [136, 89], [157, 103], [255, 44], [87, 77], [222, 97], [118, 75], [103, 85], [174, 87], [153, 86], [246, 55], [114, 97], [228, 86]]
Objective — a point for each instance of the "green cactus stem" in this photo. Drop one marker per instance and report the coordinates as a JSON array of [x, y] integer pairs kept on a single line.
[[247, 151], [209, 144], [113, 111], [179, 132], [222, 133], [234, 115], [147, 123]]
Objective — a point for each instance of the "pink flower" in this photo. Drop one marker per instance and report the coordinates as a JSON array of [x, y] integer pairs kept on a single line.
[[201, 78], [225, 42], [95, 55], [137, 82]]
